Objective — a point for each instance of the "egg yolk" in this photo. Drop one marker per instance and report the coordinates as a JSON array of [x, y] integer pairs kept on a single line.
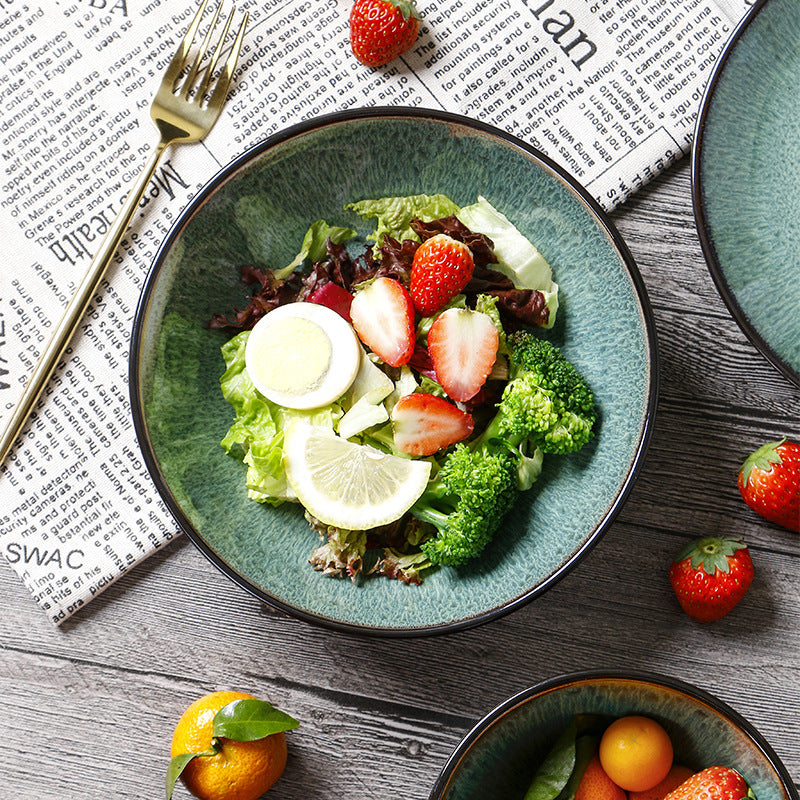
[[294, 358]]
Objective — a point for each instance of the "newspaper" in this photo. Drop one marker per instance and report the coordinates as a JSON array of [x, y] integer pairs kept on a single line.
[[609, 89]]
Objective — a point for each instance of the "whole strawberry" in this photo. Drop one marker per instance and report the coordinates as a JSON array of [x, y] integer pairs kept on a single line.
[[442, 267], [381, 30], [710, 576], [713, 783], [769, 482]]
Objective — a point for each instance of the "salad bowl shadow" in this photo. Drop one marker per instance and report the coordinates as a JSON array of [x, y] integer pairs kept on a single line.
[[256, 211], [498, 758]]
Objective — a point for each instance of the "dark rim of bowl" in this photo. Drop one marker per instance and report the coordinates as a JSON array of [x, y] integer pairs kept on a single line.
[[137, 409], [698, 202], [590, 676]]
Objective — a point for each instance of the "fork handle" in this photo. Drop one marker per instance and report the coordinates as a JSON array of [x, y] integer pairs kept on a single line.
[[76, 307]]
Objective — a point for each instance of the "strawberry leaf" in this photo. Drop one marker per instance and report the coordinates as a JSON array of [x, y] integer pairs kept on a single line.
[[711, 553], [762, 459], [178, 763], [406, 8], [250, 719]]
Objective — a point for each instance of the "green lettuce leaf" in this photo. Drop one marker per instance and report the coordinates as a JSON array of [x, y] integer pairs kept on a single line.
[[517, 257], [253, 412], [554, 772], [314, 242], [394, 214], [256, 434]]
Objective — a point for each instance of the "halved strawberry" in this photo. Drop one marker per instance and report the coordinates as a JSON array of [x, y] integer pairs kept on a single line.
[[441, 268], [424, 423], [463, 347], [383, 315]]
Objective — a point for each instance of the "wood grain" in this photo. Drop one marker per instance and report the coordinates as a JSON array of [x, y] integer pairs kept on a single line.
[[89, 708]]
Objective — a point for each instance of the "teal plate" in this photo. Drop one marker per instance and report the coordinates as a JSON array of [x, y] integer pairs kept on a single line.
[[311, 171], [746, 179], [497, 759]]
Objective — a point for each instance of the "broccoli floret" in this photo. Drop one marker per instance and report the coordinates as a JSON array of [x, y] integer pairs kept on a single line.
[[547, 401], [466, 501], [547, 407]]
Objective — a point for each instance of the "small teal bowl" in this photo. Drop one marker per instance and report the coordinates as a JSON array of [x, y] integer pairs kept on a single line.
[[311, 171], [497, 759]]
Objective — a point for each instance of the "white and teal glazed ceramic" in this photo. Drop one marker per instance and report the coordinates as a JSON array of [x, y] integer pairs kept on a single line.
[[497, 759], [311, 171], [746, 179]]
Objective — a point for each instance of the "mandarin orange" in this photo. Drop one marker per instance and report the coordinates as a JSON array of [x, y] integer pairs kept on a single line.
[[241, 770], [636, 753]]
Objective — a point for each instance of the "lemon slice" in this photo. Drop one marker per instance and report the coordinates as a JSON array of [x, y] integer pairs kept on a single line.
[[349, 485]]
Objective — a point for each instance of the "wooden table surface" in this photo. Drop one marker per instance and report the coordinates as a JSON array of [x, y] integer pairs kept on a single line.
[[88, 710]]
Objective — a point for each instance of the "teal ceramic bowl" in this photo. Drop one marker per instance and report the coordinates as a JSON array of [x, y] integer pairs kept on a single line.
[[746, 179], [310, 171], [497, 759]]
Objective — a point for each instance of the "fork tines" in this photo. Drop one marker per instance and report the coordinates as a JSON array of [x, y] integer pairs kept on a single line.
[[197, 80]]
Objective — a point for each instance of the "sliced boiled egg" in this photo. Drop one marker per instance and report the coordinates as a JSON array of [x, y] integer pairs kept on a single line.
[[302, 355]]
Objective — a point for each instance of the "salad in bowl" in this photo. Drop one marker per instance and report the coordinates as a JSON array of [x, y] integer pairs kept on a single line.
[[401, 389], [286, 210]]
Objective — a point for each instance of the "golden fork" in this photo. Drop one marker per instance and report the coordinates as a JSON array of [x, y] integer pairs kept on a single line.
[[185, 108]]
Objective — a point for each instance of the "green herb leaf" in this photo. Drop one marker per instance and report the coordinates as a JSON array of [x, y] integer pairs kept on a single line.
[[250, 719], [585, 748], [554, 772], [178, 763]]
